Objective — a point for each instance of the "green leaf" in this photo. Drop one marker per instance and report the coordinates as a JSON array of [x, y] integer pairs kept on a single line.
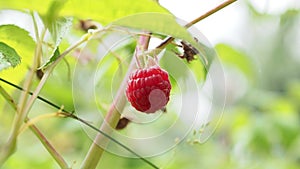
[[53, 13], [58, 30], [18, 39], [104, 11], [53, 57], [8, 56], [165, 24], [157, 23], [237, 59]]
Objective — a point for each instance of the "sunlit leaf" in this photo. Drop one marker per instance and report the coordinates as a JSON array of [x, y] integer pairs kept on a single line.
[[103, 11], [20, 40], [58, 30], [8, 57], [17, 38], [158, 23]]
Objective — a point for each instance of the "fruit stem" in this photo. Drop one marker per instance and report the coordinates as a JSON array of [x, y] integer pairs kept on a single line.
[[113, 115], [140, 49]]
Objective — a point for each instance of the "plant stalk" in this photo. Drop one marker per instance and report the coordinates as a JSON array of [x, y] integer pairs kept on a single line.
[[113, 115], [20, 115], [24, 110], [56, 156]]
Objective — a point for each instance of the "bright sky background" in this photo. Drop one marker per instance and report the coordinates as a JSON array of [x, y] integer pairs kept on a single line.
[[222, 26]]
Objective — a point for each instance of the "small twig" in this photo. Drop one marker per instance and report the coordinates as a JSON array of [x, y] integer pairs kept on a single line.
[[207, 14], [210, 12], [30, 122]]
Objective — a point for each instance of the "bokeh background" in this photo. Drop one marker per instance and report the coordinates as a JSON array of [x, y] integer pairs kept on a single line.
[[258, 43]]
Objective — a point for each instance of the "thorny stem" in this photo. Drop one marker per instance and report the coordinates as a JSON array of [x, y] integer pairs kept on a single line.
[[113, 115], [200, 18]]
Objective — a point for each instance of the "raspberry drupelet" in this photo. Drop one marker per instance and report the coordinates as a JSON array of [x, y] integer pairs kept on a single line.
[[148, 89]]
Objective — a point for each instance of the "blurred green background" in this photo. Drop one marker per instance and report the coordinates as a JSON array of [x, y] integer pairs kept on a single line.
[[260, 128]]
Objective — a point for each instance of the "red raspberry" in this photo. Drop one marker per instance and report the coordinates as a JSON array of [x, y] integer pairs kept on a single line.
[[148, 89]]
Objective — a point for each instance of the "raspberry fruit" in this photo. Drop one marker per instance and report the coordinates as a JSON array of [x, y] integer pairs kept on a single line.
[[148, 89]]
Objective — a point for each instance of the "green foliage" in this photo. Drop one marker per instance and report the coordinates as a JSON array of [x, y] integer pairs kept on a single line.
[[8, 56], [102, 11], [20, 40], [58, 29], [165, 24], [260, 129], [158, 23]]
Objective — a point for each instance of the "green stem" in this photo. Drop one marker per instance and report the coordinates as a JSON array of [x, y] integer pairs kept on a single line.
[[21, 117], [8, 98], [66, 113], [49, 71], [113, 115], [38, 52], [57, 157]]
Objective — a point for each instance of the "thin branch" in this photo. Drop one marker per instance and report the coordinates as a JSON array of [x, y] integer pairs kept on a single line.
[[200, 18], [210, 12], [56, 156], [30, 122]]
